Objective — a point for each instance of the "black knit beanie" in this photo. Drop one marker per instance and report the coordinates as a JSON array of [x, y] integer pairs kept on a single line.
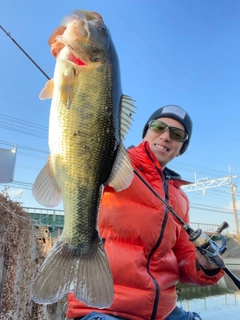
[[176, 113]]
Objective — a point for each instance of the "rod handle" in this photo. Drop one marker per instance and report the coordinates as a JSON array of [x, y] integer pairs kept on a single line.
[[232, 276]]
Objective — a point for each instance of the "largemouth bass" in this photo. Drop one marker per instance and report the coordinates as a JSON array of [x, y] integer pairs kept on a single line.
[[88, 120]]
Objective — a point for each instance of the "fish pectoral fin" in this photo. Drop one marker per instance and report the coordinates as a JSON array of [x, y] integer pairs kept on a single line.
[[88, 276], [47, 91], [68, 86], [122, 171], [127, 109], [45, 189]]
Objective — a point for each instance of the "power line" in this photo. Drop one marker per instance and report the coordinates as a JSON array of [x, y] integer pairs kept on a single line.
[[20, 184], [28, 167], [23, 103], [21, 121], [24, 131], [200, 169], [210, 208], [23, 147], [30, 156], [23, 126]]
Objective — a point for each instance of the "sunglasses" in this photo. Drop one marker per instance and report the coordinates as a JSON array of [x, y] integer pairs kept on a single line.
[[175, 133]]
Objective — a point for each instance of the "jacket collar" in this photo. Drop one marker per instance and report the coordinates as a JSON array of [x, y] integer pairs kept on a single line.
[[141, 154]]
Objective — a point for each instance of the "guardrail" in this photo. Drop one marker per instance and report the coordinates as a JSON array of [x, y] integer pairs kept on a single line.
[[33, 210], [209, 228], [55, 219]]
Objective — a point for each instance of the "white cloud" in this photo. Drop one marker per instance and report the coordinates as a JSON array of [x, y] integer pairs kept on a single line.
[[237, 205], [15, 193]]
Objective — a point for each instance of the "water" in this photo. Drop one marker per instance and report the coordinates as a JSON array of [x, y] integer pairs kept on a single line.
[[217, 302]]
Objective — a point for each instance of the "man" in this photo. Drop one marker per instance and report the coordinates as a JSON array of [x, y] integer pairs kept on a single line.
[[148, 251]]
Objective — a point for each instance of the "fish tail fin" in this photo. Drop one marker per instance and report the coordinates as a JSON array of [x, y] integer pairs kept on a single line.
[[88, 276]]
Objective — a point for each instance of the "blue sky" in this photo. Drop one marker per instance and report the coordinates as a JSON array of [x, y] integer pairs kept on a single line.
[[171, 52]]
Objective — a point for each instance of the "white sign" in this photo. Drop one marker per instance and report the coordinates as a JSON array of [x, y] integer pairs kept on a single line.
[[7, 164]]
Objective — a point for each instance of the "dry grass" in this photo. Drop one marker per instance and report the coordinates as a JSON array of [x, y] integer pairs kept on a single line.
[[22, 251]]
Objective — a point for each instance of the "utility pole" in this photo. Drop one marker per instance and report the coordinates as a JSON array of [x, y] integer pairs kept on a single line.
[[233, 189], [205, 183]]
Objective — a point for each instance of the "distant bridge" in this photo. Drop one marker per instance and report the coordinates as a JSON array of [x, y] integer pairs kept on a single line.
[[54, 220]]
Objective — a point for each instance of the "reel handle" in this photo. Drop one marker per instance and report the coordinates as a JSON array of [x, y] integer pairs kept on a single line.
[[223, 226], [211, 251]]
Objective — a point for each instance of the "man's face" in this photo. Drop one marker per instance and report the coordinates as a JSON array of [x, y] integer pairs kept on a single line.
[[162, 145]]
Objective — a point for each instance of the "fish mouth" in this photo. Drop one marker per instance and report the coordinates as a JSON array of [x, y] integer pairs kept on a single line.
[[75, 33], [77, 27], [72, 58]]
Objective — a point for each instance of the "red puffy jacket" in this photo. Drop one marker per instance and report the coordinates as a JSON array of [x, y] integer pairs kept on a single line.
[[148, 251]]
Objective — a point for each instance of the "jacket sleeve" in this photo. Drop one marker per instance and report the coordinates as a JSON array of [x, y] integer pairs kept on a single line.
[[190, 271]]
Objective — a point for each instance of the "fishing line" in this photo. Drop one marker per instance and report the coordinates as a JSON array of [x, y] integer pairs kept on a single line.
[[8, 34], [13, 213]]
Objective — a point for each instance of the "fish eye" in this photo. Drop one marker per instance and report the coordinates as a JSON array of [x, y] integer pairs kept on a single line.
[[104, 30]]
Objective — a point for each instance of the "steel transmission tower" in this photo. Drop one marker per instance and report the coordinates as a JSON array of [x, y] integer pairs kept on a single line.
[[204, 183]]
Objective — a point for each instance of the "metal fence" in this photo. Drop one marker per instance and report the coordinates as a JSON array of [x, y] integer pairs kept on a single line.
[[211, 302], [206, 227], [55, 218]]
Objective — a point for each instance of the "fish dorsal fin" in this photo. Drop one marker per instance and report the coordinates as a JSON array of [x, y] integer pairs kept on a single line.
[[127, 105], [122, 171], [47, 91], [45, 189]]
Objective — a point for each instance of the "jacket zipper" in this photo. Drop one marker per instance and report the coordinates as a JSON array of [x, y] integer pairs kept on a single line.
[[165, 185]]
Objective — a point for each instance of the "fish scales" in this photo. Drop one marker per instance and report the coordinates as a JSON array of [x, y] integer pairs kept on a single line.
[[87, 147], [88, 120]]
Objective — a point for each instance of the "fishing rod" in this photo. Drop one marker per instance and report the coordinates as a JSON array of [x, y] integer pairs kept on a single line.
[[8, 34], [207, 247]]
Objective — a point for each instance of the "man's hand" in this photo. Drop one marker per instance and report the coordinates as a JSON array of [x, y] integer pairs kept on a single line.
[[204, 262]]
